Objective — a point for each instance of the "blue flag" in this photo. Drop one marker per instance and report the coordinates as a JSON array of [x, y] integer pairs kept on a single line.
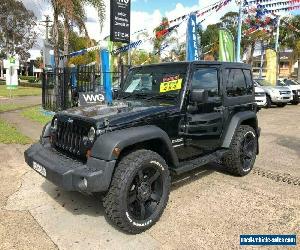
[[191, 39]]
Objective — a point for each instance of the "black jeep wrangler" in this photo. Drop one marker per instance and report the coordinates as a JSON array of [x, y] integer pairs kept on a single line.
[[168, 119]]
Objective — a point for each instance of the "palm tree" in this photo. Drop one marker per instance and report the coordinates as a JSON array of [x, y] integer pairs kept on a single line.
[[72, 10], [78, 17]]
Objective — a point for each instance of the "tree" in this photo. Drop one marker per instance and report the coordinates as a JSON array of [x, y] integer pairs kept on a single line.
[[290, 38], [17, 35]]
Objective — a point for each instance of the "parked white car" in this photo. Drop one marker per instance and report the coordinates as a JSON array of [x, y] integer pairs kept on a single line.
[[277, 95], [294, 86], [260, 97]]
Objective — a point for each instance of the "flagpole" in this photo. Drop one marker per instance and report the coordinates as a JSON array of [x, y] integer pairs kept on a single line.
[[239, 31]]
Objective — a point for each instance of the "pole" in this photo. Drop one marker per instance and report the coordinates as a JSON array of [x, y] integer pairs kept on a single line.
[[239, 31], [261, 58], [47, 28], [277, 48]]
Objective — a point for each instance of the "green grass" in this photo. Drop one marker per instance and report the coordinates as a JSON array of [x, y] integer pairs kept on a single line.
[[20, 91], [11, 106], [9, 134], [35, 114]]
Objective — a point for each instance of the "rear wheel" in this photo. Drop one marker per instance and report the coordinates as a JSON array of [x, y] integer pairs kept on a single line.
[[139, 191], [242, 154]]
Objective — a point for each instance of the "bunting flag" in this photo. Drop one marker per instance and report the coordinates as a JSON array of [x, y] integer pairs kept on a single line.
[[215, 6], [81, 52]]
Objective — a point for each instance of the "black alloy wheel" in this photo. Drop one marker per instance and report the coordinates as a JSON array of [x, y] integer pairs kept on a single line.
[[139, 191], [248, 150], [145, 193]]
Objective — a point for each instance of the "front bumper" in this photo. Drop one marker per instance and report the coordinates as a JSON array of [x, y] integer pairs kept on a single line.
[[282, 98], [261, 101], [93, 176]]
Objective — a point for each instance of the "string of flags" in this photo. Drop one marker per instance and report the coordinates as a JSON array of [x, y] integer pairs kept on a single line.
[[215, 6], [261, 18]]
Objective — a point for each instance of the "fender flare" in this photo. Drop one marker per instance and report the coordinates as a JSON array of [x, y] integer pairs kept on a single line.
[[235, 122], [106, 143]]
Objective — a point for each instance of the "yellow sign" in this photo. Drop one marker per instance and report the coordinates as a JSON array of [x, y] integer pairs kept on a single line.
[[170, 85], [271, 66]]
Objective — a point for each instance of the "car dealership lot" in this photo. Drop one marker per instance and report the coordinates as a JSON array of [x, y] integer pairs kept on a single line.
[[207, 209]]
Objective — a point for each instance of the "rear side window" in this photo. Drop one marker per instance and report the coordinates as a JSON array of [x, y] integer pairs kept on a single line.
[[206, 78], [238, 82], [249, 82]]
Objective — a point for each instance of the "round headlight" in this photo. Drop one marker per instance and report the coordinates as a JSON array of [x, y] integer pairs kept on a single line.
[[55, 124], [92, 134]]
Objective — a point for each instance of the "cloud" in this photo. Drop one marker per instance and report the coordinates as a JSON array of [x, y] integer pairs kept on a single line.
[[139, 19]]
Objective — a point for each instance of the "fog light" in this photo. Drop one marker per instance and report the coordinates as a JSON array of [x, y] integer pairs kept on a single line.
[[55, 124], [83, 184], [92, 134]]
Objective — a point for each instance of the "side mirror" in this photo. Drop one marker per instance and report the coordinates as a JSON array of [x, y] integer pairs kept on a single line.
[[199, 95]]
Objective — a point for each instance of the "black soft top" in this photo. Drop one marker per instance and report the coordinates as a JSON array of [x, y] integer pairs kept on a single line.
[[184, 63]]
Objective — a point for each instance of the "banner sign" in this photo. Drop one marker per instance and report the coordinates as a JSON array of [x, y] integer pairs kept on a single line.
[[271, 66], [120, 21], [191, 39], [226, 46]]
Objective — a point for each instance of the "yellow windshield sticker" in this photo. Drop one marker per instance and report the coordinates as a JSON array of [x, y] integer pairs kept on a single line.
[[170, 85]]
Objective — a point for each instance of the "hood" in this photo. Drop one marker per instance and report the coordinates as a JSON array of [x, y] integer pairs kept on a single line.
[[121, 112], [294, 87], [280, 88]]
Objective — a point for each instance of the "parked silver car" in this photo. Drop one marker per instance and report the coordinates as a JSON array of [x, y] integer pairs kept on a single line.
[[294, 86], [277, 95]]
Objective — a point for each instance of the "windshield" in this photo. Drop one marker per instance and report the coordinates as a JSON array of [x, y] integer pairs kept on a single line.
[[263, 82], [160, 80], [291, 82]]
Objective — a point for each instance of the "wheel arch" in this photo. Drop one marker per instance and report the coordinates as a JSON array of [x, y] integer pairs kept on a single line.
[[126, 140], [241, 118]]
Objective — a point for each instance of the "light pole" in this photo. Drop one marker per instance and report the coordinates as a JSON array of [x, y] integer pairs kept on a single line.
[[239, 31], [277, 47]]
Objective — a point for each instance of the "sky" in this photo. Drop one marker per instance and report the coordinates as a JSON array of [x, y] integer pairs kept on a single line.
[[145, 14]]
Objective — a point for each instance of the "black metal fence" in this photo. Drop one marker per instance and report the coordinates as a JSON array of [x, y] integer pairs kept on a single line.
[[61, 86]]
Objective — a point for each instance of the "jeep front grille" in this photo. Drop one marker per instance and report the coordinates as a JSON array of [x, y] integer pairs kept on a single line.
[[70, 137]]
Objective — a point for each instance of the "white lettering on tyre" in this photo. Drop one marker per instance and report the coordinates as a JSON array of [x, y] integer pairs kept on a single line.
[[158, 164], [250, 133], [138, 224]]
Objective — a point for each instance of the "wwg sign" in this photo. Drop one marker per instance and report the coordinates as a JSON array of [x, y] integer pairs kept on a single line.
[[120, 21], [90, 98]]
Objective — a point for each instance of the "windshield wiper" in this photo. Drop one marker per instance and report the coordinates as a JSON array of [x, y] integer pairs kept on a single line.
[[162, 96], [135, 94]]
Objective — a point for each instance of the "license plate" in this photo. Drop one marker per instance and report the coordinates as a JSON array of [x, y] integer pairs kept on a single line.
[[40, 169]]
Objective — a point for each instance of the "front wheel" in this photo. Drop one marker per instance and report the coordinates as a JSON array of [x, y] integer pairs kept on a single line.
[[240, 159], [269, 102], [139, 191]]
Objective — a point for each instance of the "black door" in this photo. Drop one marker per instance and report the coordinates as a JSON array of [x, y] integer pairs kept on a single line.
[[204, 121]]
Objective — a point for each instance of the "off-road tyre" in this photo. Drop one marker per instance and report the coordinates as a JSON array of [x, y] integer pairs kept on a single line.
[[295, 102], [127, 180], [233, 160], [281, 105], [269, 102]]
